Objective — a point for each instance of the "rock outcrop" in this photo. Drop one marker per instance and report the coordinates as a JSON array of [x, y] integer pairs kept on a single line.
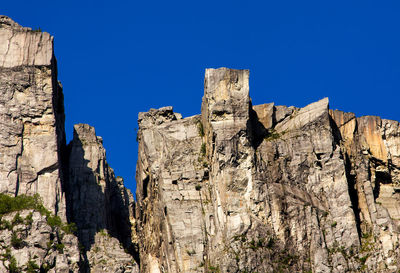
[[74, 183], [266, 188], [99, 204], [31, 243], [32, 134], [238, 188]]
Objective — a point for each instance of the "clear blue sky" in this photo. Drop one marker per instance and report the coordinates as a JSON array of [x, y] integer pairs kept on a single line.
[[117, 58]]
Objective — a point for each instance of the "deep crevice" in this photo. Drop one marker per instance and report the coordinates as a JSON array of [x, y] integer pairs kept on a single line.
[[257, 129], [353, 193], [350, 176], [145, 186]]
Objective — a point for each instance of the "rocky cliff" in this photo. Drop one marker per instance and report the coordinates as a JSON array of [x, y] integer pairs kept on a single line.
[[31, 114], [238, 188], [266, 188], [99, 204], [61, 207]]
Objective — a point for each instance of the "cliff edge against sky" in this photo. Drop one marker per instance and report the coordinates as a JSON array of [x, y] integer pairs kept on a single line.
[[266, 188], [237, 188], [74, 183]]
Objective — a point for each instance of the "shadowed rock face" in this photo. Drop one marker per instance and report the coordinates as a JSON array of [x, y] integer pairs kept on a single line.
[[98, 203], [97, 199], [266, 188]]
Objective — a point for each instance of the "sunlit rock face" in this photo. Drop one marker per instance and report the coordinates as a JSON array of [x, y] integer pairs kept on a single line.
[[237, 188], [266, 188], [31, 116], [73, 182], [23, 46]]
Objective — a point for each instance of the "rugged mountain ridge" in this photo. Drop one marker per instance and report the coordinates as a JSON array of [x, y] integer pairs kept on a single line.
[[69, 213], [238, 188], [266, 188]]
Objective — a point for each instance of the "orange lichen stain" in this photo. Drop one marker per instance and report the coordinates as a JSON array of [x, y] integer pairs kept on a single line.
[[264, 114], [369, 127], [345, 122]]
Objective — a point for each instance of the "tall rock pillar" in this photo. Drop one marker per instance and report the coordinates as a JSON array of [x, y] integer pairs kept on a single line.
[[32, 135]]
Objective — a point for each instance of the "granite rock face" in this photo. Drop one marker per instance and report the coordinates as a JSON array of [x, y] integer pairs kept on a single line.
[[31, 116], [266, 188], [238, 188], [99, 204], [74, 183], [27, 238], [23, 46]]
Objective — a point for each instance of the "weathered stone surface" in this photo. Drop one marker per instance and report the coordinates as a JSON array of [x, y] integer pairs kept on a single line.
[[23, 46], [265, 114], [266, 188], [107, 255], [76, 184], [171, 206], [27, 237], [370, 146], [98, 202], [31, 116], [239, 188]]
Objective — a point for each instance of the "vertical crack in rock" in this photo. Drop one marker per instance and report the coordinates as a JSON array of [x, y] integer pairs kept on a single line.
[[351, 178]]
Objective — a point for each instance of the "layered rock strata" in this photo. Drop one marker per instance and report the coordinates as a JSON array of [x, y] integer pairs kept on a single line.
[[266, 188]]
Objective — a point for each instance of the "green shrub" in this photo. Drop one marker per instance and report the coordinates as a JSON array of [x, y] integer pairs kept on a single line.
[[253, 245], [200, 128], [28, 219], [49, 244], [17, 219], [60, 248], [54, 221], [69, 228], [272, 135], [214, 269], [4, 224], [10, 204], [363, 259], [203, 149], [32, 267], [6, 256], [13, 266], [198, 187], [16, 242], [104, 233]]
